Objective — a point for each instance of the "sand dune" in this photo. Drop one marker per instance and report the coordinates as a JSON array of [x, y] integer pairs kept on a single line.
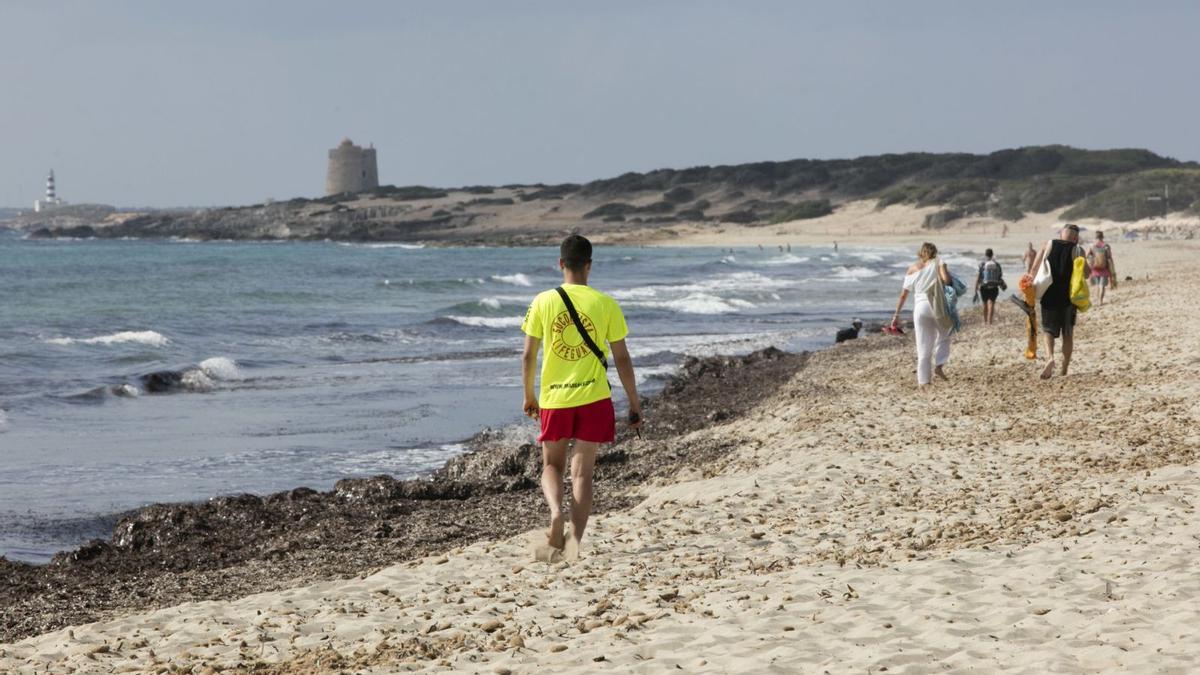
[[997, 523]]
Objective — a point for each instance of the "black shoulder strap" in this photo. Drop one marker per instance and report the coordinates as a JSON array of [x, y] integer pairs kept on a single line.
[[587, 339]]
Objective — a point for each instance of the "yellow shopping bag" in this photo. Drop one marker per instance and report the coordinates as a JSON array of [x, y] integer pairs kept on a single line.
[[1081, 295]]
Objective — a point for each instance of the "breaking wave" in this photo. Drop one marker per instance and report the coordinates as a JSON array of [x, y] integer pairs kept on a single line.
[[145, 337], [517, 279], [487, 321]]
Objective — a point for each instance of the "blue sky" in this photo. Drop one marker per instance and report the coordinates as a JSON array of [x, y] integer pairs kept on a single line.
[[137, 102]]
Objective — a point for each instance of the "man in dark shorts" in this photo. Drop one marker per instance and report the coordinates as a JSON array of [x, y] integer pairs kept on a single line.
[[1058, 314], [574, 401], [988, 284]]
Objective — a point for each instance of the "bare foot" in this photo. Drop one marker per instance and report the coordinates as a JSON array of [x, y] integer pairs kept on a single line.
[[541, 550], [1066, 364], [554, 536], [937, 370], [571, 547], [1048, 372]]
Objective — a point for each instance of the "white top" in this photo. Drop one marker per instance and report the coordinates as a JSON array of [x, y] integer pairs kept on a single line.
[[918, 282]]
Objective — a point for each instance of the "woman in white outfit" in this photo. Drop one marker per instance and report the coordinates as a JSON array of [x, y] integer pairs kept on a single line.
[[931, 320]]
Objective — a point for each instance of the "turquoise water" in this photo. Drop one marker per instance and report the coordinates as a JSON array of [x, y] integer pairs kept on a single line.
[[302, 363]]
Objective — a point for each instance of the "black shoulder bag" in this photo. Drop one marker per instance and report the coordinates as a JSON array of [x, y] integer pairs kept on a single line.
[[587, 339]]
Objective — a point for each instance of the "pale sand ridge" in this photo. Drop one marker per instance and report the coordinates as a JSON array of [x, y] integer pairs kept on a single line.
[[997, 524]]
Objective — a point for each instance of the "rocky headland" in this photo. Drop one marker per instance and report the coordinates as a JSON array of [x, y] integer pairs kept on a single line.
[[947, 189]]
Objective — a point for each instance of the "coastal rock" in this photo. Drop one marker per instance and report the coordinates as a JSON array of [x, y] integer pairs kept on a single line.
[[233, 545]]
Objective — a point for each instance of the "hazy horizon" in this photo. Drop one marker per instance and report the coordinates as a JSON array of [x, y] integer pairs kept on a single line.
[[223, 103]]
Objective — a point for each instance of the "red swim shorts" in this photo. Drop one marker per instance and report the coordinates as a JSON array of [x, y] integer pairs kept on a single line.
[[594, 422]]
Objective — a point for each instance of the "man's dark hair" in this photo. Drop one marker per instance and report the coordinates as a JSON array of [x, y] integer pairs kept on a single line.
[[1074, 228], [576, 252], [988, 253]]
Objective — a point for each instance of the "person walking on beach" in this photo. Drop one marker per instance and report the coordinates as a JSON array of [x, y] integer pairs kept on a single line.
[[1028, 257], [988, 284], [1104, 271], [926, 279], [574, 402], [1058, 314]]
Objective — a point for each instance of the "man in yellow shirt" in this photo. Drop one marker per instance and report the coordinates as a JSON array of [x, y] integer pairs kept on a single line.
[[575, 401]]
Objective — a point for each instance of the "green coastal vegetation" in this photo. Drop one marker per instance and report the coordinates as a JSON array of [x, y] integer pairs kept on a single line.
[[1120, 185]]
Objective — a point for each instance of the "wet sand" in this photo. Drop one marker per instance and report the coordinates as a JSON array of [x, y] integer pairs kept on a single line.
[[847, 523]]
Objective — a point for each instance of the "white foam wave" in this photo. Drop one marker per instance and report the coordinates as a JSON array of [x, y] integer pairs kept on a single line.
[[656, 372], [843, 272], [869, 257], [490, 303], [738, 282], [712, 345], [488, 321], [958, 260], [786, 259], [145, 337], [386, 245], [220, 368], [197, 380], [517, 279], [697, 303]]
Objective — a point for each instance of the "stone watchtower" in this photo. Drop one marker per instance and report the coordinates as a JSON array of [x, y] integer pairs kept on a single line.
[[351, 169]]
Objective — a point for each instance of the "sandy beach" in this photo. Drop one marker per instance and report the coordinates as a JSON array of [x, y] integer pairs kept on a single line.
[[997, 523]]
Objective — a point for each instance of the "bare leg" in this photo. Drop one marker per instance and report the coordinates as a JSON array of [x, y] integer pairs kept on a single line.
[[1067, 346], [554, 461], [583, 462], [1048, 372]]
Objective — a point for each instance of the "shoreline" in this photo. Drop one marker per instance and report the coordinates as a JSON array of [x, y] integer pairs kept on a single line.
[[840, 520], [164, 553]]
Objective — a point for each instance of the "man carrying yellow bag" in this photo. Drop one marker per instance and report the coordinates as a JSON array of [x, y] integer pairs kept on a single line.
[[1065, 266]]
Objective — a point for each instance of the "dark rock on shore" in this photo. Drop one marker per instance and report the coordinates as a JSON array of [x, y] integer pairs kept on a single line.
[[232, 546]]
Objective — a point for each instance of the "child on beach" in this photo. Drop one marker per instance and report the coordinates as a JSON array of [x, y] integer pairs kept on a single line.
[[927, 279], [575, 401]]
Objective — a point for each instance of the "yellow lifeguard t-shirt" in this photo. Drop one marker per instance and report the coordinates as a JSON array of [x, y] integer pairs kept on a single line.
[[571, 374]]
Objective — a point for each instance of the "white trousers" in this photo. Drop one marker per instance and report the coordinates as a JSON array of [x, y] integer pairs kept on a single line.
[[933, 343]]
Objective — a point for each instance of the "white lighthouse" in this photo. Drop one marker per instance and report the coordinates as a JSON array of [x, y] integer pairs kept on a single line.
[[51, 200]]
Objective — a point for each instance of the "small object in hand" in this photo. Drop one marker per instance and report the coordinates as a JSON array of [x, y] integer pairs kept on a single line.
[[893, 329], [634, 418]]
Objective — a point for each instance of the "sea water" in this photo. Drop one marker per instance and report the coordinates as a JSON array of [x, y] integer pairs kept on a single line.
[[303, 363]]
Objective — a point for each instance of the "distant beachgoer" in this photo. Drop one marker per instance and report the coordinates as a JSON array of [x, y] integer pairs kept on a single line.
[[760, 247], [789, 248], [781, 248], [1028, 257], [926, 279], [575, 401], [850, 333], [988, 284], [835, 247], [1104, 270], [1004, 232], [1058, 314]]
